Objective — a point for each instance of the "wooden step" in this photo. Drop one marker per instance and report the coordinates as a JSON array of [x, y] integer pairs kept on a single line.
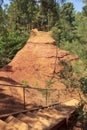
[[5, 126], [27, 119], [46, 119], [20, 125], [43, 119], [39, 126], [54, 118], [62, 113], [31, 114], [35, 123], [51, 114], [72, 103]]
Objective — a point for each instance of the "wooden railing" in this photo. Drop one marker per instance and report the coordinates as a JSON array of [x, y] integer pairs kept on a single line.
[[42, 97]]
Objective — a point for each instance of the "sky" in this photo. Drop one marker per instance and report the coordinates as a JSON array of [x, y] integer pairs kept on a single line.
[[78, 4]]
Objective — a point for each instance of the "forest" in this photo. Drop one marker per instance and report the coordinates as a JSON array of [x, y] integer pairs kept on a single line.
[[16, 21], [68, 27]]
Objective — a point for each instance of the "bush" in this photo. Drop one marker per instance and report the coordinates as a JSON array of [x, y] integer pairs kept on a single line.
[[10, 45]]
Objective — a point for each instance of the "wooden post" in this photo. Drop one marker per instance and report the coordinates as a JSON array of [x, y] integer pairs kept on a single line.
[[24, 98], [46, 96], [58, 96]]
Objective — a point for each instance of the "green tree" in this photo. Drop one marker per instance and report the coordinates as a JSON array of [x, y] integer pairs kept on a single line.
[[65, 28], [3, 23], [85, 10], [50, 12]]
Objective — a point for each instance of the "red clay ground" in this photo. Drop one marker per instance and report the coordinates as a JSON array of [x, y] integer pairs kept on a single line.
[[35, 62]]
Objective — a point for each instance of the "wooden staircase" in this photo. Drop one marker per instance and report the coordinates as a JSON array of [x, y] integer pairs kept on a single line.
[[39, 119]]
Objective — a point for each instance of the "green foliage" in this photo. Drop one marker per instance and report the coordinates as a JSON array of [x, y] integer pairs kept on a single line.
[[82, 116], [24, 83], [67, 76], [81, 27], [10, 45], [78, 68], [67, 71], [50, 82], [36, 84], [70, 81], [65, 27], [76, 48], [67, 13], [47, 91], [83, 85], [85, 10]]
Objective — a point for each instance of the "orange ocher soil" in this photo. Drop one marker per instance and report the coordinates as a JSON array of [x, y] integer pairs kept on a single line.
[[34, 63]]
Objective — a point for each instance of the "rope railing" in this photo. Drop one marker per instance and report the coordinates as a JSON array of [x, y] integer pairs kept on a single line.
[[20, 86], [41, 96]]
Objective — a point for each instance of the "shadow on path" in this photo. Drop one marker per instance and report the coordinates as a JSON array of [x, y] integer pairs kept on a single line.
[[9, 80], [9, 103]]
